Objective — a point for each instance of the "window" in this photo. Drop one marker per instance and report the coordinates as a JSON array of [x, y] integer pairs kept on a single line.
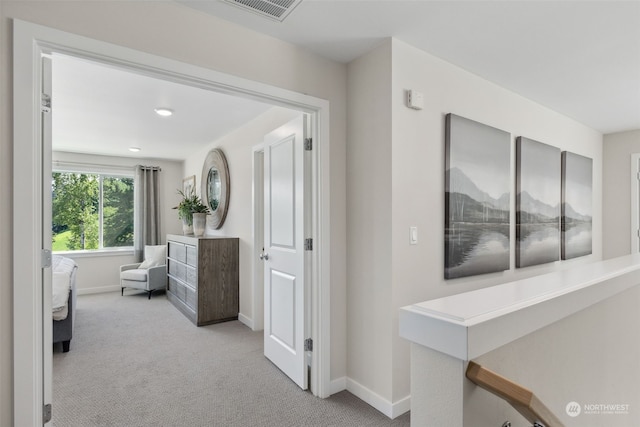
[[91, 211]]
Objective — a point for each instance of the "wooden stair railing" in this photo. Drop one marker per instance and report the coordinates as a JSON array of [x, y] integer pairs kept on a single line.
[[522, 399]]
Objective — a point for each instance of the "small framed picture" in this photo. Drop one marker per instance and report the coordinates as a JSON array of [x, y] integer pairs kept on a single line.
[[189, 185]]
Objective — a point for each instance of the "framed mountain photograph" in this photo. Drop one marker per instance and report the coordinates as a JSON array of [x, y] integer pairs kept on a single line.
[[577, 211], [477, 198], [537, 203]]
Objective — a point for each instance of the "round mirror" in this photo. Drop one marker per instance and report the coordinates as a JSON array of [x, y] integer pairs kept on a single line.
[[213, 189], [215, 186]]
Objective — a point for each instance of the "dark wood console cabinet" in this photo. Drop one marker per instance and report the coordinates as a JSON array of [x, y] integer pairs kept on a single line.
[[203, 277]]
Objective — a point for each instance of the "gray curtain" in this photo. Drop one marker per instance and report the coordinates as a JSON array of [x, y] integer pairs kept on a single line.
[[146, 223]]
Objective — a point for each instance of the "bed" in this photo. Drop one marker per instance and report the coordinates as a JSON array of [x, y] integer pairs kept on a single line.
[[63, 299]]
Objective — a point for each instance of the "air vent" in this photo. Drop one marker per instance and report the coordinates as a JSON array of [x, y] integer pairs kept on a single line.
[[277, 10]]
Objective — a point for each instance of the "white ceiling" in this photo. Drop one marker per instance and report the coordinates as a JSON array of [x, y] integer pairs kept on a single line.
[[579, 58], [104, 110]]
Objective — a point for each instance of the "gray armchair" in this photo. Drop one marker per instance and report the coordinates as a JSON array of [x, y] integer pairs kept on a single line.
[[149, 275]]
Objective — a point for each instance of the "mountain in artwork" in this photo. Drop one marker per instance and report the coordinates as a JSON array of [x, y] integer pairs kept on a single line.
[[468, 203], [533, 210]]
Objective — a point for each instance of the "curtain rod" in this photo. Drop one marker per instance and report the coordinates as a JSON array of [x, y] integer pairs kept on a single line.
[[85, 164], [63, 163], [153, 168]]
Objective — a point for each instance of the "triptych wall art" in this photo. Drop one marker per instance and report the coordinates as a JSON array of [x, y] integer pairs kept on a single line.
[[553, 201]]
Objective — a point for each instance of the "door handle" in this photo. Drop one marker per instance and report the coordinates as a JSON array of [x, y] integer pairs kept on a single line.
[[264, 256]]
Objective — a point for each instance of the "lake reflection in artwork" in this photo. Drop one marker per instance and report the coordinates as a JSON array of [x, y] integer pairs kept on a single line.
[[577, 240], [477, 250], [477, 193]]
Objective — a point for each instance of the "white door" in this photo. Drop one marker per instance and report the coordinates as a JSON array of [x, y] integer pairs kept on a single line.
[[283, 255], [47, 319]]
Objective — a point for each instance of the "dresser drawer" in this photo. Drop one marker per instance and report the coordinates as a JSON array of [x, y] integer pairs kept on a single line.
[[191, 299], [177, 270], [191, 277], [177, 288], [178, 251], [192, 255]]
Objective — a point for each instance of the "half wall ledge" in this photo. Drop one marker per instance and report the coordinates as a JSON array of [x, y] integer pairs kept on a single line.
[[470, 324], [448, 332]]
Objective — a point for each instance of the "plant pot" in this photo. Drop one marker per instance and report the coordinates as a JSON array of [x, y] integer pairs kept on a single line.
[[187, 228], [199, 223]]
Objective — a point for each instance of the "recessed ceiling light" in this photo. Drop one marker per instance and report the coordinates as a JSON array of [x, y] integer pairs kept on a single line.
[[134, 149], [164, 112]]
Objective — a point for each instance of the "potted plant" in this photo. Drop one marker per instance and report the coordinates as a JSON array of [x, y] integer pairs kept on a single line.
[[189, 205]]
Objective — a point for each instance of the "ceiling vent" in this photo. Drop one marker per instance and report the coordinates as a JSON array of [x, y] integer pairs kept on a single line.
[[276, 10]]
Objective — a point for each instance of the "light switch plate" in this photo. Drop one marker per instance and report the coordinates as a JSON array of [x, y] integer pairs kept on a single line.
[[413, 235]]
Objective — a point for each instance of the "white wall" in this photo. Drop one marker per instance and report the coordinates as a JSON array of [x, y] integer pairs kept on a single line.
[[369, 197], [590, 357], [177, 32], [101, 272], [416, 161], [618, 148], [238, 149]]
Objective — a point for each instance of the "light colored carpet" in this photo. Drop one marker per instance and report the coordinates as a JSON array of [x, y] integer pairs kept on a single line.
[[135, 362]]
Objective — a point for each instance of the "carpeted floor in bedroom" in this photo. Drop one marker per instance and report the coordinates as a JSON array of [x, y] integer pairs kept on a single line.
[[136, 362]]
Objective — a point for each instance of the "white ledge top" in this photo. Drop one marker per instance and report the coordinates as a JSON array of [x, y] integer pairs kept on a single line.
[[470, 324]]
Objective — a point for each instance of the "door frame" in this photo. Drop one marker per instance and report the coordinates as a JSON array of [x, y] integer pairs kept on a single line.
[[30, 42], [635, 203], [258, 237]]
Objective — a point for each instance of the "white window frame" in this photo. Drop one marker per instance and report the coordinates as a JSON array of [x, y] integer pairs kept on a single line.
[[102, 172]]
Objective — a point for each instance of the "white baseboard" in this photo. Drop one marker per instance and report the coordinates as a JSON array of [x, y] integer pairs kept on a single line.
[[400, 407], [391, 410], [338, 385], [245, 320], [98, 290]]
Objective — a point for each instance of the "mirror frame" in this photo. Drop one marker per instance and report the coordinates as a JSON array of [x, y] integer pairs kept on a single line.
[[216, 159]]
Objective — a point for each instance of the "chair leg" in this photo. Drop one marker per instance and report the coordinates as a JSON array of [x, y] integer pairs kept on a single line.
[[122, 291], [149, 294], [65, 346]]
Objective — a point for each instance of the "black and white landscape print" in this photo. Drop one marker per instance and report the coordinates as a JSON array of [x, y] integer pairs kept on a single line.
[[576, 205], [537, 203], [477, 198]]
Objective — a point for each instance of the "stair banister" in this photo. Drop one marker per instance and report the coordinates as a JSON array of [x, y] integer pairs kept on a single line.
[[520, 398]]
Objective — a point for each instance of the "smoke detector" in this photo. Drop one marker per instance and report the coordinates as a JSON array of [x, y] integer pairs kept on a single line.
[[276, 10]]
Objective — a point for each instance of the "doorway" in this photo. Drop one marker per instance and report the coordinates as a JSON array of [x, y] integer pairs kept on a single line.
[[31, 42]]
